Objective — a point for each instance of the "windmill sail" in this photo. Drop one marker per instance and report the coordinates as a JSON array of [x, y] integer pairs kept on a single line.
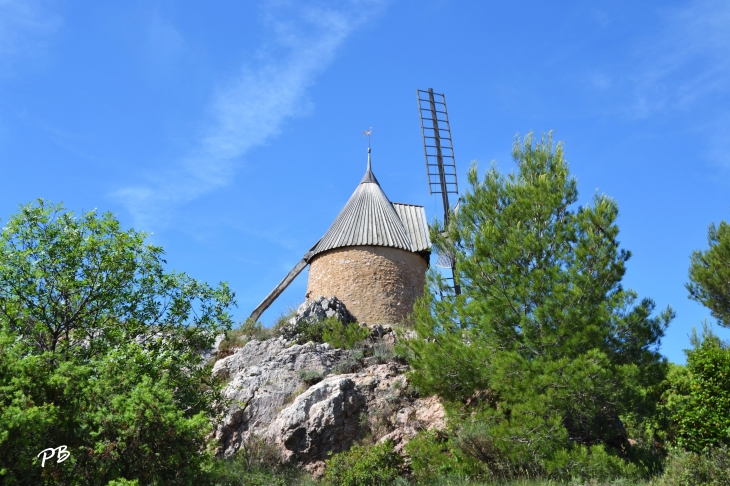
[[438, 150]]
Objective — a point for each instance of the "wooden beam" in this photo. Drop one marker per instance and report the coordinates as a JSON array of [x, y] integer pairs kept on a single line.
[[274, 294]]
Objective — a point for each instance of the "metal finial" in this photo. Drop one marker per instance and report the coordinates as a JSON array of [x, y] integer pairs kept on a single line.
[[368, 133]]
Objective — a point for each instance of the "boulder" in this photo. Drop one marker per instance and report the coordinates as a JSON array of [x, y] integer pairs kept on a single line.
[[316, 310], [361, 393], [331, 415], [264, 378]]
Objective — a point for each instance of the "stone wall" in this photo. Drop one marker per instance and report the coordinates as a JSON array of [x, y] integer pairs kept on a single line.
[[379, 285]]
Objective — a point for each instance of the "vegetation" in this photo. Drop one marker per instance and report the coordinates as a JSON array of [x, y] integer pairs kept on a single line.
[[311, 377], [257, 464], [378, 465], [344, 335], [100, 352], [549, 368], [544, 354], [709, 274]]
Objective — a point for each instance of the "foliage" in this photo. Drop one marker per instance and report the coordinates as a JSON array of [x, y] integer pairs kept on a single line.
[[100, 351], [544, 350], [383, 352], [247, 330], [473, 452], [341, 335], [709, 274], [683, 468], [699, 414], [257, 464], [364, 466], [331, 330], [311, 377], [349, 365]]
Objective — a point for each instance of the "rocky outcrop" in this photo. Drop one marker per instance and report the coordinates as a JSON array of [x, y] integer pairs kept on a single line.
[[264, 377], [306, 423], [316, 310], [334, 413]]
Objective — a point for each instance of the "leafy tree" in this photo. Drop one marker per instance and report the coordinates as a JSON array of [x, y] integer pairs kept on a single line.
[[100, 351], [544, 341], [709, 274], [696, 396]]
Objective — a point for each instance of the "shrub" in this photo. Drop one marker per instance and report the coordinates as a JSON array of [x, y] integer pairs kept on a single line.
[[684, 468], [100, 351], [431, 457], [311, 377], [247, 330], [331, 330], [701, 418], [383, 352], [343, 336], [350, 365], [364, 466], [257, 463]]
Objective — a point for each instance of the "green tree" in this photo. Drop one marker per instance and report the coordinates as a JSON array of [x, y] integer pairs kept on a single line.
[[699, 415], [544, 341], [100, 351], [709, 274]]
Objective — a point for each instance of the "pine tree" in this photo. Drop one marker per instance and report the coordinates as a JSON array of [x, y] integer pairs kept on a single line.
[[544, 345], [709, 274]]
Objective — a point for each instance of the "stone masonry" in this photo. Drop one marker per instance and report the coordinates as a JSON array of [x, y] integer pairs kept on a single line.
[[378, 284]]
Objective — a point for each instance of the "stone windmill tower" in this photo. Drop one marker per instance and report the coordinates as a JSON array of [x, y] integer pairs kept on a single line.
[[373, 257]]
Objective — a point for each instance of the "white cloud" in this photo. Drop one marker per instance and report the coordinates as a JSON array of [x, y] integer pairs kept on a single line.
[[25, 26], [250, 109], [689, 61]]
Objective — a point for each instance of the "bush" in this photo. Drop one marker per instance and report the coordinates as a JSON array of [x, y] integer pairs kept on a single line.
[[684, 468], [383, 352], [332, 331], [343, 336], [311, 377], [246, 331], [699, 398], [257, 463], [350, 365], [364, 466], [100, 351]]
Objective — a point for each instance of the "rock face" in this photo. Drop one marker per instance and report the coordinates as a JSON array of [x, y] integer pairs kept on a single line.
[[264, 378], [306, 423], [315, 310], [334, 413]]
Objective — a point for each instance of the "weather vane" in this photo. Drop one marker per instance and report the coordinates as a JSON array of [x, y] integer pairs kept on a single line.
[[368, 133]]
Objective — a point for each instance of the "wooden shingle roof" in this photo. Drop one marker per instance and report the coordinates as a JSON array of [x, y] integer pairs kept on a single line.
[[369, 218]]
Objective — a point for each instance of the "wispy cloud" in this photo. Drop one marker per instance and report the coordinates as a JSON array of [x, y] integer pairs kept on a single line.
[[689, 61], [250, 109], [25, 26]]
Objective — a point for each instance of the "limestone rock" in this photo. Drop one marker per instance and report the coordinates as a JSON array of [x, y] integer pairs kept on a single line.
[[264, 377], [306, 423], [315, 310], [334, 413], [383, 334]]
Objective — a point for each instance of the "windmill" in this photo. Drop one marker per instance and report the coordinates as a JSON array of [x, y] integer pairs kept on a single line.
[[373, 257], [438, 150]]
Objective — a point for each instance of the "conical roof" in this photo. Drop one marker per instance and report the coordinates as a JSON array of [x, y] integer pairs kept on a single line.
[[368, 218]]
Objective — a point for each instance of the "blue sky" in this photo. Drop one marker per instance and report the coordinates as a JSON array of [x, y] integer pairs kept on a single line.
[[232, 131]]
